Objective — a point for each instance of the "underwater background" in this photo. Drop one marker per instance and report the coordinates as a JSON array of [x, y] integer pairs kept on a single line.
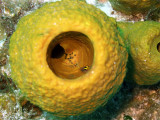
[[132, 102]]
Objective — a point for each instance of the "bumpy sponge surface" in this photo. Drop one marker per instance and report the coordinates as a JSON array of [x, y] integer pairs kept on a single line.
[[32, 74]]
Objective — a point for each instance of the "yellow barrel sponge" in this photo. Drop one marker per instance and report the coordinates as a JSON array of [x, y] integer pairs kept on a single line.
[[67, 57], [143, 41], [133, 6]]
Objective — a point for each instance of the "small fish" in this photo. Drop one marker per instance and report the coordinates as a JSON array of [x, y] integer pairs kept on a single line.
[[85, 68]]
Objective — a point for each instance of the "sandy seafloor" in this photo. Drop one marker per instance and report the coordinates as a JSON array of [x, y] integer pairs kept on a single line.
[[132, 102]]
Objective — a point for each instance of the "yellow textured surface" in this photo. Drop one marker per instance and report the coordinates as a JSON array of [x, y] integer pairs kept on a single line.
[[30, 71], [143, 42], [133, 6]]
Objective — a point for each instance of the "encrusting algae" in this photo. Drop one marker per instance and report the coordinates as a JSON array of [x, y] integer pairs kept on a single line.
[[69, 58], [59, 61]]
